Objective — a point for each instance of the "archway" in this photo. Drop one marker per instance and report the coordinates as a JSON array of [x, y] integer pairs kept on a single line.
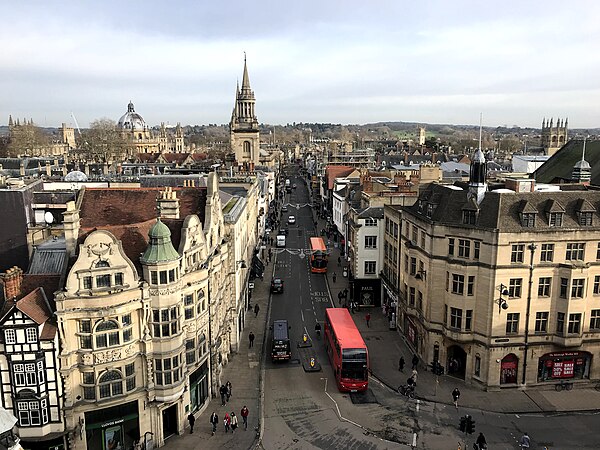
[[457, 361], [509, 367]]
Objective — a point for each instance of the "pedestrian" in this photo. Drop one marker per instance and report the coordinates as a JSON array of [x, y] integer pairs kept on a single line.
[[256, 310], [334, 277], [481, 442], [226, 422], [455, 396], [414, 375], [192, 421], [228, 388], [214, 421], [525, 441], [345, 293], [223, 392], [244, 413], [339, 260], [368, 318], [401, 364], [234, 422], [415, 361], [340, 297], [251, 339]]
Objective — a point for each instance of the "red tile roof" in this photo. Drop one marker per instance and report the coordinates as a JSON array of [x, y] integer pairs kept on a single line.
[[333, 172], [49, 331], [198, 157], [147, 157], [177, 158], [35, 306]]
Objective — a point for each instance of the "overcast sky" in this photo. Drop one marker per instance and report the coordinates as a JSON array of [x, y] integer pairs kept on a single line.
[[350, 61]]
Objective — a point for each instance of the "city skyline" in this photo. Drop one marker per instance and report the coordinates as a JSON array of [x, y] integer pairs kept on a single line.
[[339, 62]]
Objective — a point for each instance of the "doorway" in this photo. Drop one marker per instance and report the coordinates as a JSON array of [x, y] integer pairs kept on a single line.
[[508, 369], [169, 419], [457, 361]]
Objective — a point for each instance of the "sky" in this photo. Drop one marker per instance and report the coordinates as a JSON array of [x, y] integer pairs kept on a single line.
[[338, 61]]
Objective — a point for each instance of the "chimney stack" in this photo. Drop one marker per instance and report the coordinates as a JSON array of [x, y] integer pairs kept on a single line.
[[168, 204], [13, 279]]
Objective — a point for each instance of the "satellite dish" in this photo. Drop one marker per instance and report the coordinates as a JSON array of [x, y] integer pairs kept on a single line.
[[48, 217]]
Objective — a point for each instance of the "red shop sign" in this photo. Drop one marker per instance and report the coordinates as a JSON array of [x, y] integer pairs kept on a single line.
[[557, 370]]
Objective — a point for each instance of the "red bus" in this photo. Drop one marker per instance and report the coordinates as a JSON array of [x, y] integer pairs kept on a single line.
[[318, 255], [347, 351]]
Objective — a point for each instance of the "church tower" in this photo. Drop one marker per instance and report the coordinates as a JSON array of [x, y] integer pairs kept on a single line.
[[243, 128], [554, 137]]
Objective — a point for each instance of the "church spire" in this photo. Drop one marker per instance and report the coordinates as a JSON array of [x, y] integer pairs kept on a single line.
[[245, 79]]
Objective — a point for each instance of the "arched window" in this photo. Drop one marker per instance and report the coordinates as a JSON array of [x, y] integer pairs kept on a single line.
[[107, 334], [247, 147], [110, 384], [101, 264]]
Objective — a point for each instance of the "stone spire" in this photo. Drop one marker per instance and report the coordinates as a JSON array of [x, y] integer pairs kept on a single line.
[[478, 173]]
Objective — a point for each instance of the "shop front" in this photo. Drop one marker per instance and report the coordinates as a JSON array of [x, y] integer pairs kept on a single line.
[[199, 387], [411, 333], [115, 428], [564, 365], [367, 292]]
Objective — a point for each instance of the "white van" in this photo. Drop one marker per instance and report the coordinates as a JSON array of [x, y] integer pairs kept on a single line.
[[281, 240], [287, 183]]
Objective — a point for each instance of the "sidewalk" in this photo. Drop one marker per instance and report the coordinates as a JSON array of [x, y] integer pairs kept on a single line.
[[243, 371], [386, 346]]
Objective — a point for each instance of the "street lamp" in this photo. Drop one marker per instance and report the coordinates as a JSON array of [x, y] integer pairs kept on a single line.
[[502, 304], [421, 275]]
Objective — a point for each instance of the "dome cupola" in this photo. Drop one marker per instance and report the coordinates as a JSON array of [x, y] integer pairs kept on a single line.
[[131, 120], [160, 249]]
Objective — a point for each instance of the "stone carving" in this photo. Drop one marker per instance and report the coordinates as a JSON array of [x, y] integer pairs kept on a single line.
[[87, 359], [107, 356]]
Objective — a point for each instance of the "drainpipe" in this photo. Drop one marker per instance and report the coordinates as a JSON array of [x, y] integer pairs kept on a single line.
[[531, 248]]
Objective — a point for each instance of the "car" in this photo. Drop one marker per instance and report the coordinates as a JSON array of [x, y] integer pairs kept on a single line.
[[291, 220], [294, 186], [283, 232], [284, 208], [277, 285]]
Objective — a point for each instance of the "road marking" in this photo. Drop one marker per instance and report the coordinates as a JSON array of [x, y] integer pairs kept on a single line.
[[302, 314]]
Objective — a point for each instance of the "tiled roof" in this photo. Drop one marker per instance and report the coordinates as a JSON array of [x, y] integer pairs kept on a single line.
[[199, 157], [147, 157], [177, 158], [333, 172], [48, 331], [49, 282], [35, 306]]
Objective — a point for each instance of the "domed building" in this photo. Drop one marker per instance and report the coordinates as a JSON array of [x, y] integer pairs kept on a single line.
[[134, 129]]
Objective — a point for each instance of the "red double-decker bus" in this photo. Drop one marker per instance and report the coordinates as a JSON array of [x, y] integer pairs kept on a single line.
[[347, 351], [318, 255]]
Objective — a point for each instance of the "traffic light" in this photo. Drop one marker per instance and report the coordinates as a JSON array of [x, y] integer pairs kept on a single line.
[[463, 424], [470, 425]]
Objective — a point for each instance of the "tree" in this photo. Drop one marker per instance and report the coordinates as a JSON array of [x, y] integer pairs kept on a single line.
[[26, 139], [102, 142]]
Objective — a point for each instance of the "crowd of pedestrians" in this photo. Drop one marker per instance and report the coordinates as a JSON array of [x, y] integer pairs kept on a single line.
[[230, 419]]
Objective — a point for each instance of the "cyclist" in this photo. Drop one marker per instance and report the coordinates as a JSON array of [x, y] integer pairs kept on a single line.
[[318, 329]]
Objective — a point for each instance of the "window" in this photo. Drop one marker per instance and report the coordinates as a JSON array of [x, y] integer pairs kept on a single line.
[[10, 336], [119, 279], [370, 267], [560, 322], [154, 277], [458, 284], [516, 255], [477, 366], [577, 288], [107, 334], [451, 246], [547, 253], [528, 220], [188, 302], [190, 351], [574, 323], [415, 234], [165, 322], [103, 281], [468, 319], [464, 248], [172, 275], [597, 285], [110, 384], [162, 276], [168, 370], [31, 335], [514, 287], [413, 266], [420, 301], [130, 377], [476, 248], [541, 322], [585, 218], [370, 241], [370, 222], [87, 282], [471, 285], [422, 238], [32, 412], [544, 287], [555, 219], [411, 296], [25, 374], [575, 251], [469, 217], [598, 252], [564, 286], [456, 318], [447, 281], [445, 314], [406, 263], [512, 323], [595, 319]]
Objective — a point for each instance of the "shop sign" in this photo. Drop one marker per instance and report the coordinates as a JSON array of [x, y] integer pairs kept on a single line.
[[563, 354], [112, 422], [563, 369]]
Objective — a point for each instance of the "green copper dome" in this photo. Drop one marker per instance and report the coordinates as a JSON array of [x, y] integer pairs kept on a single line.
[[160, 248]]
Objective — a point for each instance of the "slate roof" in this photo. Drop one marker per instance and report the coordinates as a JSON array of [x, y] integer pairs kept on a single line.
[[373, 212], [501, 210], [49, 257], [560, 165]]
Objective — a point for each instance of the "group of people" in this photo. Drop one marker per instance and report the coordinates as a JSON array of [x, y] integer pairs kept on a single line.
[[230, 421]]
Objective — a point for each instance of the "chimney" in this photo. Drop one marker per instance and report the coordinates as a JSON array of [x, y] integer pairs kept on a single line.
[[12, 282], [48, 170], [71, 227], [168, 204]]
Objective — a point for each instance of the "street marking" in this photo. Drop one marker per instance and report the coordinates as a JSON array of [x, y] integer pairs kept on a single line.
[[302, 314]]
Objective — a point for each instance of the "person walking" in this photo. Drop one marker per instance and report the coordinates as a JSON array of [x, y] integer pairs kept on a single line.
[[455, 396], [226, 422], [525, 441], [234, 422], [214, 421], [481, 442], [414, 375], [334, 276], [415, 361], [340, 297], [401, 364], [228, 390], [339, 260], [251, 339], [223, 392], [244, 413], [256, 310], [368, 318], [192, 421]]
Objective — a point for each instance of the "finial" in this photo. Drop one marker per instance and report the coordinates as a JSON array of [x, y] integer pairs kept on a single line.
[[583, 151], [244, 57], [480, 128]]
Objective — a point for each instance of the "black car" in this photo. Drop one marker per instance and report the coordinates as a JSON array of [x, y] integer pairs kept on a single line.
[[277, 285], [283, 232], [284, 208]]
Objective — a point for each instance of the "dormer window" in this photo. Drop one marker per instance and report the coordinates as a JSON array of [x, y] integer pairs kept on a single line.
[[469, 217], [555, 219], [528, 220], [585, 218], [420, 206], [429, 212], [100, 264]]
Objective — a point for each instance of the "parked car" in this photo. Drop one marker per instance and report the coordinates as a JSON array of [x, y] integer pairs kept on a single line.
[[284, 208], [277, 285], [283, 232], [291, 220]]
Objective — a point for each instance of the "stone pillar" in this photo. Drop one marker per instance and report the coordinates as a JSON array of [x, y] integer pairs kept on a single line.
[[71, 225]]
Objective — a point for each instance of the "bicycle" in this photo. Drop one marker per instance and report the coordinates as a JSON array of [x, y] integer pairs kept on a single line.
[[407, 391], [564, 386]]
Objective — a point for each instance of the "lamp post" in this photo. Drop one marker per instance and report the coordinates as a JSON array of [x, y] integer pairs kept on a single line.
[[502, 304], [531, 248]]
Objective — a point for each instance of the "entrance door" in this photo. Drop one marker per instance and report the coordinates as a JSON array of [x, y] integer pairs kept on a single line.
[[169, 418], [508, 369], [457, 361]]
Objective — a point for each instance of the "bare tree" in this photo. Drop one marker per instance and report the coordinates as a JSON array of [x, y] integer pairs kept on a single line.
[[26, 139], [102, 142]]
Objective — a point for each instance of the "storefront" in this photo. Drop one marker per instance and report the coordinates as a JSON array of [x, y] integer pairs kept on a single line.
[[564, 365], [199, 387], [508, 369], [411, 333], [113, 428], [367, 292]]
